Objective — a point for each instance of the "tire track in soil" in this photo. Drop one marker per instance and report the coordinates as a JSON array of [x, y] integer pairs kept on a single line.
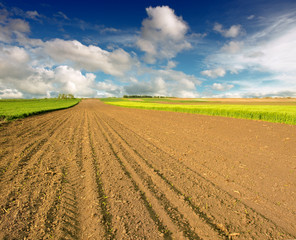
[[220, 198], [68, 225], [61, 218], [25, 201], [102, 197]]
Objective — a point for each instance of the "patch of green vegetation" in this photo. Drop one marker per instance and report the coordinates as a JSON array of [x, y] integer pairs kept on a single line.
[[112, 99], [19, 108], [172, 100], [152, 100], [271, 113]]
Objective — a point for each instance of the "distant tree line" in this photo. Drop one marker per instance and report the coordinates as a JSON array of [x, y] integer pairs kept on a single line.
[[65, 96], [142, 96]]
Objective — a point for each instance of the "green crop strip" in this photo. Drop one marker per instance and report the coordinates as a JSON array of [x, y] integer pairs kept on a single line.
[[271, 113], [152, 100], [20, 108]]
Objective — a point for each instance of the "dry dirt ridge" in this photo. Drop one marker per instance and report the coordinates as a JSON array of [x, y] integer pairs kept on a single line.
[[102, 172]]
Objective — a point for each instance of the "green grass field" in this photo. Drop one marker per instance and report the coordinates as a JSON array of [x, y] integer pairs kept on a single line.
[[20, 108], [271, 113]]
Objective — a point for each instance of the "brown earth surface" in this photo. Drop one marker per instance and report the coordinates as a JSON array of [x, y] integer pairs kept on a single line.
[[97, 171]]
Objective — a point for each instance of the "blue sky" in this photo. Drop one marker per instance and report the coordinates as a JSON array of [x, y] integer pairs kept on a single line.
[[170, 48]]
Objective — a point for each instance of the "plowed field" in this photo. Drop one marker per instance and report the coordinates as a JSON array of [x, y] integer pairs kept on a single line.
[[97, 171]]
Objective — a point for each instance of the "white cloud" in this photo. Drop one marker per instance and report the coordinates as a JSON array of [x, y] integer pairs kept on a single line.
[[232, 47], [162, 34], [276, 89], [177, 77], [218, 28], [69, 80], [166, 82], [32, 14], [3, 15], [11, 29], [218, 72], [268, 55], [61, 15], [10, 93], [270, 50], [280, 53], [90, 58], [221, 86], [18, 25], [155, 87], [232, 32], [171, 64], [108, 89], [250, 17], [18, 73], [13, 63]]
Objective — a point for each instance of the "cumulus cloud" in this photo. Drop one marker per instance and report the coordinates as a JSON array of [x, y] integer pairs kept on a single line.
[[108, 89], [90, 58], [19, 77], [10, 93], [214, 73], [171, 64], [232, 32], [155, 87], [166, 82], [162, 34], [73, 81], [12, 29], [232, 47], [221, 86], [13, 63]]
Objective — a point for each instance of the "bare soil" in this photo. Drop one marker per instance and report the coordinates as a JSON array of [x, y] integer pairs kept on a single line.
[[97, 171]]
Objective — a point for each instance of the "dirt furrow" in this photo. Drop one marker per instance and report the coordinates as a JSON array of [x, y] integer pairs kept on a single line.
[[38, 124], [176, 205], [83, 185], [203, 196], [27, 160], [132, 214], [164, 208], [20, 158]]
